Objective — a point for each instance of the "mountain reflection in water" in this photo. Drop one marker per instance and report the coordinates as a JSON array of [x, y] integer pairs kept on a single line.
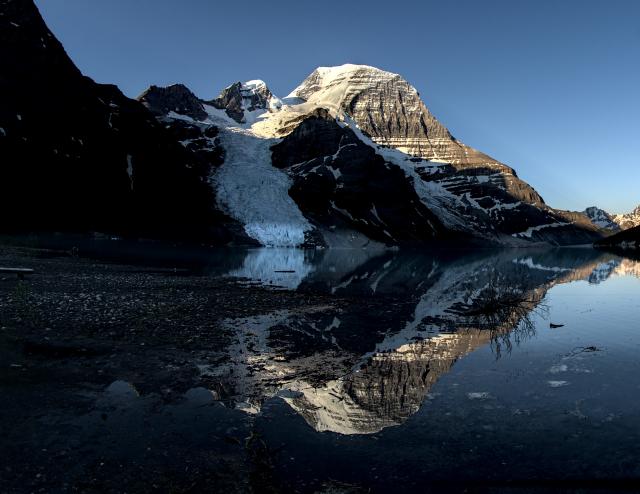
[[360, 367]]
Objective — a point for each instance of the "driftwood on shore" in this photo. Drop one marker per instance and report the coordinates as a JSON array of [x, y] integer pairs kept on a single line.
[[20, 272]]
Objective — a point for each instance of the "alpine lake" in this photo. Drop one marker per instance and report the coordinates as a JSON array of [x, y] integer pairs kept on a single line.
[[339, 371]]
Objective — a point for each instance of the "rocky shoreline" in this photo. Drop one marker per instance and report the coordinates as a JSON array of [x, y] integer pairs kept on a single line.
[[80, 333]]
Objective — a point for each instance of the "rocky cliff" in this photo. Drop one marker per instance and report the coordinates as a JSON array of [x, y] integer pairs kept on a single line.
[[240, 99]]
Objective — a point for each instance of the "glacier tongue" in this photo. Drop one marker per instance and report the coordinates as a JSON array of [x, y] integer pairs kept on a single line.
[[255, 193]]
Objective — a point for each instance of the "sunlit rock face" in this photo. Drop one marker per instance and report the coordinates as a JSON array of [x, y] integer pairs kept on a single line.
[[628, 220], [388, 109]]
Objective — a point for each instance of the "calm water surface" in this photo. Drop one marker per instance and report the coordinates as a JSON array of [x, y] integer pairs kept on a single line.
[[444, 372]]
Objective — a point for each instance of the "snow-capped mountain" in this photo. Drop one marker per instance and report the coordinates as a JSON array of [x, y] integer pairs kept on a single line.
[[602, 219], [613, 222], [628, 220], [353, 156], [628, 236], [388, 109]]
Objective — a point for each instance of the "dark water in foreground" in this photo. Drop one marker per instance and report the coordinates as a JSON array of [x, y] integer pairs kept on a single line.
[[445, 375], [447, 387]]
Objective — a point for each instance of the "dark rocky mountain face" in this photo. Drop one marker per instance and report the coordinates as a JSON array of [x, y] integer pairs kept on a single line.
[[76, 155], [177, 98], [340, 181], [230, 100], [490, 207]]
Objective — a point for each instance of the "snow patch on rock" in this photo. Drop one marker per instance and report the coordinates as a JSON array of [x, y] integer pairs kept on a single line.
[[279, 267]]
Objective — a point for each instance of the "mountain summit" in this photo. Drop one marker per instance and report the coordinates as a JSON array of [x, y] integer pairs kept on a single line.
[[388, 109]]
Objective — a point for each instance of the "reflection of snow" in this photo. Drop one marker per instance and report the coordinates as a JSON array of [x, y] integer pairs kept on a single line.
[[263, 265], [558, 384], [529, 263], [478, 396], [628, 267], [558, 368], [602, 271]]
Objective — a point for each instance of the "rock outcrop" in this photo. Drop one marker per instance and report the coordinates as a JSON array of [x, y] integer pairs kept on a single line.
[[250, 96], [602, 219], [177, 98], [339, 181]]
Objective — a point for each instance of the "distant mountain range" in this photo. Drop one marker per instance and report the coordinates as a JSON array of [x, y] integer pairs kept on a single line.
[[613, 222], [352, 157]]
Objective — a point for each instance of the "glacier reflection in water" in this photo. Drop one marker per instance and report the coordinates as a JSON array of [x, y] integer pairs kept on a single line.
[[397, 324]]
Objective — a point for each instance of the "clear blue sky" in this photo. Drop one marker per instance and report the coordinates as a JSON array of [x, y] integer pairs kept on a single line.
[[550, 87]]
